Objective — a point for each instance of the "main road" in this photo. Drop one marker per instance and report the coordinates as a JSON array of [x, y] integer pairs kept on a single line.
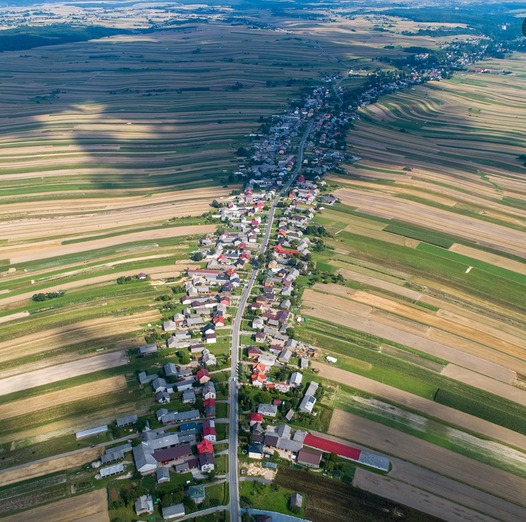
[[233, 433]]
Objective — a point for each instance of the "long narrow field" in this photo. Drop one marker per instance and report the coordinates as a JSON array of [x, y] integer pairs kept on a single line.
[[52, 399], [61, 372], [424, 406], [393, 442], [90, 507]]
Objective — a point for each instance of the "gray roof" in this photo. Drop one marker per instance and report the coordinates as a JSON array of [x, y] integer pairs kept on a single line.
[[173, 511], [148, 348], [116, 453], [162, 474], [125, 421], [111, 470], [144, 460], [170, 369], [268, 409]]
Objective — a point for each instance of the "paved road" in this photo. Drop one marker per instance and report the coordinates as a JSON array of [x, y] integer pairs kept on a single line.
[[233, 478]]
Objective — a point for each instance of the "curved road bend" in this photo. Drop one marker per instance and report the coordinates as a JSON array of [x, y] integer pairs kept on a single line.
[[233, 478]]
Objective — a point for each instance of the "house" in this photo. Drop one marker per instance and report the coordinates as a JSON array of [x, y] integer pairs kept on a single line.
[[296, 501], [206, 462], [185, 384], [295, 379], [205, 446], [170, 370], [210, 408], [211, 338], [172, 512], [159, 385], [196, 348], [308, 457], [304, 363], [189, 396], [219, 321], [255, 451], [194, 321], [208, 358], [146, 379], [284, 356], [260, 337], [162, 475], [115, 453], [255, 418], [141, 276], [186, 466], [196, 493], [162, 397], [169, 326], [267, 359], [209, 390], [173, 454], [202, 376], [257, 323], [144, 504], [209, 430], [126, 421], [268, 410], [308, 401], [147, 349], [254, 352]]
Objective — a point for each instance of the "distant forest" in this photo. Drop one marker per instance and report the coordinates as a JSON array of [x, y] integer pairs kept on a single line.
[[26, 37]]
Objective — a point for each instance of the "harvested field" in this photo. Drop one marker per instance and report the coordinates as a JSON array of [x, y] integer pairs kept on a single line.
[[54, 248], [424, 406], [488, 257], [49, 465], [84, 330], [360, 317], [75, 393], [487, 234], [442, 461], [416, 498], [485, 383], [464, 495], [379, 283], [61, 372], [90, 507]]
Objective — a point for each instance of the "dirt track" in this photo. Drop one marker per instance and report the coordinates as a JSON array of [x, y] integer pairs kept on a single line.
[[61, 372], [416, 498], [48, 400], [425, 406], [90, 507], [445, 462]]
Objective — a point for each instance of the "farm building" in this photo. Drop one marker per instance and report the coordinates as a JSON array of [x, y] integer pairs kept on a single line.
[[172, 512], [116, 453], [109, 471], [162, 475], [92, 431], [147, 349], [309, 458], [126, 421]]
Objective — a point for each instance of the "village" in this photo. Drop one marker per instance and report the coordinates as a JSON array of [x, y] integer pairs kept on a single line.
[[277, 403]]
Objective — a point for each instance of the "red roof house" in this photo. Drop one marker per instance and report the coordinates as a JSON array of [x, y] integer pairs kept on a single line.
[[255, 417], [205, 446], [202, 376]]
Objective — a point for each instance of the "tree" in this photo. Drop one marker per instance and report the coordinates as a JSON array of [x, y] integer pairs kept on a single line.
[[198, 256], [184, 357]]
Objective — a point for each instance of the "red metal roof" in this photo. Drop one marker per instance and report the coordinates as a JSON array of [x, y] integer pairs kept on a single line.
[[332, 447]]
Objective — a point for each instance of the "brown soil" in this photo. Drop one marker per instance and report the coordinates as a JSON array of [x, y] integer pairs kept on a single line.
[[416, 498], [48, 400], [445, 462], [359, 317], [61, 372], [51, 465], [78, 332], [90, 507]]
